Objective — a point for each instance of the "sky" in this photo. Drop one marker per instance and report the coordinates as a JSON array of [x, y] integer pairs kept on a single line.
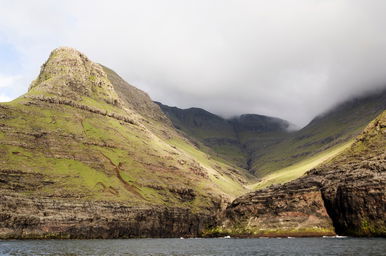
[[284, 58]]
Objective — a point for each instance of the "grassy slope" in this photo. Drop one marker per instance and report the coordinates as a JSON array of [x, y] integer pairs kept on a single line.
[[211, 133], [231, 179], [298, 169], [233, 140], [334, 128], [276, 156], [139, 168]]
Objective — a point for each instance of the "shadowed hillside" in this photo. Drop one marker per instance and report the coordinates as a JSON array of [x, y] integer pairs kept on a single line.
[[265, 145], [234, 140], [333, 128]]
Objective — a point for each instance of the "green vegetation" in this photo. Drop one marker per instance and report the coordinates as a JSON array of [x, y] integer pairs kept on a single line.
[[338, 126], [368, 228], [90, 156], [263, 146], [297, 170], [215, 169], [244, 231]]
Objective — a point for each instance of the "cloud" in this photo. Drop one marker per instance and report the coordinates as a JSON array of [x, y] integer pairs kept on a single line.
[[8, 81], [7, 85], [4, 98], [291, 59]]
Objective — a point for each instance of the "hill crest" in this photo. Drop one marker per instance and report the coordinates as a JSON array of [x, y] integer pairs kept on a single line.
[[70, 74]]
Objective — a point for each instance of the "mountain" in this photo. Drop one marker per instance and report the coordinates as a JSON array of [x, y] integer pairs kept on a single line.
[[230, 139], [271, 148], [208, 130], [344, 196], [337, 126], [86, 155]]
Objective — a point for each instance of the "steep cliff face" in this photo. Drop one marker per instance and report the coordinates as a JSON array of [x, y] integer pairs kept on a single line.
[[346, 195], [293, 211], [353, 184], [46, 217], [76, 148]]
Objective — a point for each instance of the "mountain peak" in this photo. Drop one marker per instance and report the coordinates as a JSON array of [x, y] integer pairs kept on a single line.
[[69, 73]]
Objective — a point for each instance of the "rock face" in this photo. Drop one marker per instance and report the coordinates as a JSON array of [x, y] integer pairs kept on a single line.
[[135, 99], [353, 184], [69, 73], [293, 211], [346, 196], [23, 217]]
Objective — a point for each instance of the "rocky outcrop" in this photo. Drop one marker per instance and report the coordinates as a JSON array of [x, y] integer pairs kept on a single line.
[[135, 99], [69, 73], [346, 196], [353, 184], [27, 218], [286, 212], [55, 100]]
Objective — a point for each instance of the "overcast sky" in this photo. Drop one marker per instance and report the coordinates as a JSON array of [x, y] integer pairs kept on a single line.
[[290, 59]]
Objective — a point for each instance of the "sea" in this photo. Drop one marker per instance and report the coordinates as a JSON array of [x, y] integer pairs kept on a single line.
[[342, 246]]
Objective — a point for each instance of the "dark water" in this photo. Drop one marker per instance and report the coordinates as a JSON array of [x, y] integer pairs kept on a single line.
[[266, 247]]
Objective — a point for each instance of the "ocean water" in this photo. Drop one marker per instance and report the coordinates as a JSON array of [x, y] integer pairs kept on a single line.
[[204, 247]]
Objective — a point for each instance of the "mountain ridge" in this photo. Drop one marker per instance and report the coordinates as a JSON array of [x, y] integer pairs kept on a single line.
[[264, 151], [212, 130]]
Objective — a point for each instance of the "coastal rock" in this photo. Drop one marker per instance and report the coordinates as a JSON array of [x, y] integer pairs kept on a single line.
[[278, 212], [23, 217]]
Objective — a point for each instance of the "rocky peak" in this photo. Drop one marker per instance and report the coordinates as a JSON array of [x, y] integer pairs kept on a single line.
[[70, 74]]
